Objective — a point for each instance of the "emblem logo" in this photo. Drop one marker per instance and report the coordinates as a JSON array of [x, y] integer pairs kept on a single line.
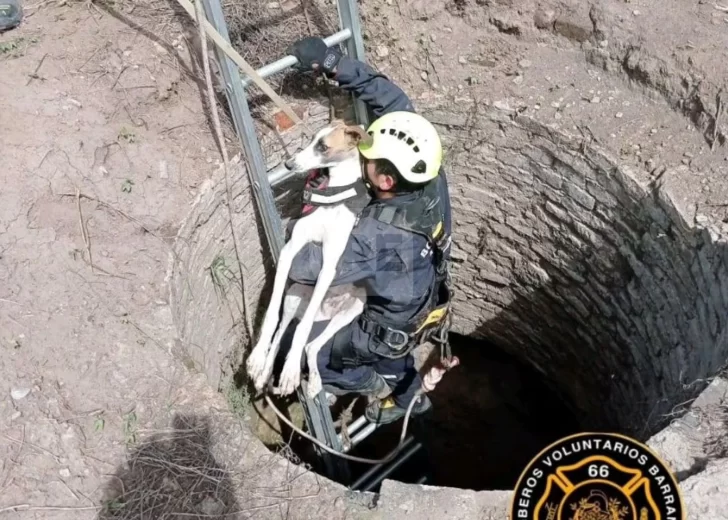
[[597, 476]]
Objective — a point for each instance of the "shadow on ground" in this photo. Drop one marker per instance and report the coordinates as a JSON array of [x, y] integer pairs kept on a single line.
[[172, 474]]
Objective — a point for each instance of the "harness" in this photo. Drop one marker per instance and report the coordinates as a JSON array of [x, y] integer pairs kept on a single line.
[[317, 193], [423, 216]]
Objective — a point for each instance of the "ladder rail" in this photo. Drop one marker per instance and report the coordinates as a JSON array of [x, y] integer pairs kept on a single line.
[[245, 128]]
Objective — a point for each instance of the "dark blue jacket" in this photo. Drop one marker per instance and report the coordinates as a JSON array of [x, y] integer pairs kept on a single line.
[[396, 267]]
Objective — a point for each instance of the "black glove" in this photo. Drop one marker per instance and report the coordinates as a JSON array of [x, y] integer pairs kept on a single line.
[[313, 54]]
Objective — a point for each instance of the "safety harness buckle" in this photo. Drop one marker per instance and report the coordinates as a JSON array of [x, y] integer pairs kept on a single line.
[[390, 337]]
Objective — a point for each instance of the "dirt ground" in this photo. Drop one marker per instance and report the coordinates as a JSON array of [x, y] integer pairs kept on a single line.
[[90, 105], [105, 141]]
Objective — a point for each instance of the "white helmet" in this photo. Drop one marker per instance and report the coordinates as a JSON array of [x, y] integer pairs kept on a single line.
[[407, 140]]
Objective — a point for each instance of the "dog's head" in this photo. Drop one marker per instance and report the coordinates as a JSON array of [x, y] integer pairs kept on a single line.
[[332, 145]]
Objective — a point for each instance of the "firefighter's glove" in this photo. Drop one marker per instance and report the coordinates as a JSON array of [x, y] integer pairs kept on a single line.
[[313, 54]]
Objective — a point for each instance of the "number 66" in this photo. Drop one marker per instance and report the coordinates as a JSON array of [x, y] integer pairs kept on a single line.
[[595, 471]]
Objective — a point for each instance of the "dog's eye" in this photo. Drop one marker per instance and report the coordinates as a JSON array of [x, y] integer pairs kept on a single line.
[[321, 147]]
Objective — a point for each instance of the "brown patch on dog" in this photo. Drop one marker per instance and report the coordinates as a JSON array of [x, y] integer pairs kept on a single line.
[[344, 138]]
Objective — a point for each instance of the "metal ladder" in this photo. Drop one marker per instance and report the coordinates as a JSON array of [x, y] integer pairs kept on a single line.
[[316, 411]]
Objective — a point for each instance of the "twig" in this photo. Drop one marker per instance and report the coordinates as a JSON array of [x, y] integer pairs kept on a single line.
[[28, 507], [308, 19], [120, 212], [432, 63], [34, 75], [234, 513], [70, 490], [721, 8], [119, 76], [14, 460], [716, 124], [226, 163], [39, 448], [84, 233]]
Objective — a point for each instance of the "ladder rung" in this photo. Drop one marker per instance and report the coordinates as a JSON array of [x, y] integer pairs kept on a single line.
[[361, 435], [355, 426], [290, 61], [279, 175]]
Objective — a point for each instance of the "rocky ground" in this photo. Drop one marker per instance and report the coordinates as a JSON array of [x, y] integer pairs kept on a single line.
[[106, 142]]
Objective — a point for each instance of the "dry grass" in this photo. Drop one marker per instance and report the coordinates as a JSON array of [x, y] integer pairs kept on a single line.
[[172, 474], [262, 30]]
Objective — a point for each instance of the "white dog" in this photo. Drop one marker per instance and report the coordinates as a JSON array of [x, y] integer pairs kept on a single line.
[[335, 148]]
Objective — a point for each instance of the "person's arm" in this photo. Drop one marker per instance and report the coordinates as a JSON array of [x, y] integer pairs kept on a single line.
[[357, 263], [374, 89], [383, 96]]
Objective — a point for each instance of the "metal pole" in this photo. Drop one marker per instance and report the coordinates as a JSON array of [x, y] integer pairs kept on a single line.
[[393, 467], [245, 128], [349, 19], [379, 467], [290, 61], [356, 425], [280, 175], [361, 435]]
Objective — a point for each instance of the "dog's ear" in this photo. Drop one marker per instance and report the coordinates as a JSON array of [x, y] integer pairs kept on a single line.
[[357, 135]]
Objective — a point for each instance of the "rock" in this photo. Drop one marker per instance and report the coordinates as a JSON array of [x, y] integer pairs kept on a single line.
[[506, 24], [426, 9], [211, 507], [19, 393], [619, 115], [382, 51], [683, 445], [64, 472], [423, 75], [418, 502], [574, 22], [502, 105], [524, 64], [705, 494], [702, 219], [15, 416], [518, 80], [462, 60], [544, 19], [595, 99], [163, 171], [483, 61]]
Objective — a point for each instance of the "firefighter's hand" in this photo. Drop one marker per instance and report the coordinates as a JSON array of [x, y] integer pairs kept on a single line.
[[313, 55]]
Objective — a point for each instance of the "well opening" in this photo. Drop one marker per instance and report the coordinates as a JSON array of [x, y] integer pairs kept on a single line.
[[584, 299]]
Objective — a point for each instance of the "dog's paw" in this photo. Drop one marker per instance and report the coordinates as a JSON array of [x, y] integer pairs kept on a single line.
[[256, 363], [290, 378], [314, 384]]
